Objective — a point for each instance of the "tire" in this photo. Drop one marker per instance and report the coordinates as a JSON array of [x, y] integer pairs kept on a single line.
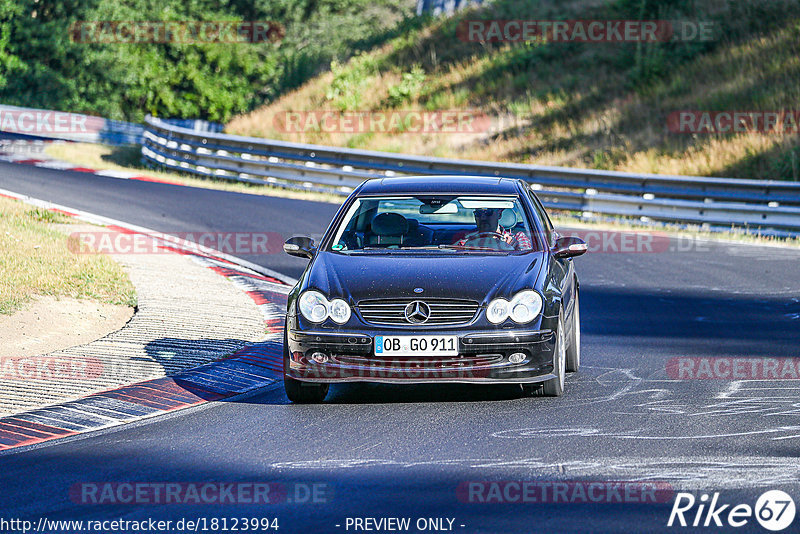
[[297, 391], [304, 392], [574, 346], [555, 386]]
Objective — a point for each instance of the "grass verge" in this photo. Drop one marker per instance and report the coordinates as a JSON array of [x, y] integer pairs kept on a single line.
[[36, 260]]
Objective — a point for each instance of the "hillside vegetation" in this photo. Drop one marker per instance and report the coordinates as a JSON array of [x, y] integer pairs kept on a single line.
[[43, 65], [569, 103]]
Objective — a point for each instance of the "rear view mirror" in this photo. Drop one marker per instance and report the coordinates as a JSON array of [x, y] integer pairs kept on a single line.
[[569, 247], [302, 247], [426, 209]]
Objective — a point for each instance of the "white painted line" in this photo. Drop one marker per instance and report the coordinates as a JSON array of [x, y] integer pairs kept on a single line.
[[732, 389], [116, 174], [60, 165], [18, 157]]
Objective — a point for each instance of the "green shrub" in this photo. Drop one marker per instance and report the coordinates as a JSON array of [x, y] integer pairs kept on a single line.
[[409, 87], [349, 82], [41, 67]]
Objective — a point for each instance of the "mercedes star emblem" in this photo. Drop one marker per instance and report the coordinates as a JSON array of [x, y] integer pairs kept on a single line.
[[417, 312]]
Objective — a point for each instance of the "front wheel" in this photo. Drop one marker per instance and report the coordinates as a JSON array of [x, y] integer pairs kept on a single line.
[[297, 391], [304, 392], [555, 386]]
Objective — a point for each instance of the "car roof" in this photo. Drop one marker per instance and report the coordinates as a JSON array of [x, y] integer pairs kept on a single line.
[[439, 184]]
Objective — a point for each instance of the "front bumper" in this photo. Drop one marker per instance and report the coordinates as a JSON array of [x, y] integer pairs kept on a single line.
[[482, 357]]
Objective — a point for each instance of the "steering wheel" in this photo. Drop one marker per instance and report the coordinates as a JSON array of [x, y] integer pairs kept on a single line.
[[496, 235]]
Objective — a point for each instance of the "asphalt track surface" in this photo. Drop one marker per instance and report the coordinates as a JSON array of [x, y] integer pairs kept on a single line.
[[403, 451]]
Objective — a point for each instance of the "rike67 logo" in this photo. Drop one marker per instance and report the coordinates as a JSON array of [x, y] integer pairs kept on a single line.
[[774, 510]]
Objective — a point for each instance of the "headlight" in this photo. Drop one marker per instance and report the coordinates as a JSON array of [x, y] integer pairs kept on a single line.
[[339, 311], [497, 312], [315, 307], [523, 308]]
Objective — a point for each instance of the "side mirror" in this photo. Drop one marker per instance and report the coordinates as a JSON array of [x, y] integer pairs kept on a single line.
[[302, 247], [569, 247]]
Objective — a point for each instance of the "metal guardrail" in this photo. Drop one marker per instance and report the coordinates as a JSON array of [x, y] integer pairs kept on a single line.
[[764, 205], [29, 123]]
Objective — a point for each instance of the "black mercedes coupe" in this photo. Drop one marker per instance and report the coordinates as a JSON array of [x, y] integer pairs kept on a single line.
[[434, 279]]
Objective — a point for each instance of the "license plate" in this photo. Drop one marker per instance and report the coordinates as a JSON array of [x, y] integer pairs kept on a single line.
[[416, 345]]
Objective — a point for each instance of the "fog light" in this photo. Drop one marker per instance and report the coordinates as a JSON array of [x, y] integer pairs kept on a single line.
[[319, 357], [517, 357]]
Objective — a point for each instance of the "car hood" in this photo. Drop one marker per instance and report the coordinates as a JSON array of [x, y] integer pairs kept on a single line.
[[471, 276]]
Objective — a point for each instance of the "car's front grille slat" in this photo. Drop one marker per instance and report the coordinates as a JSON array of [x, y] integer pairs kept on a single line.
[[442, 311]]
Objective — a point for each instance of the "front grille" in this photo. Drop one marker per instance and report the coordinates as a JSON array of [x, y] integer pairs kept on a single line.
[[442, 311]]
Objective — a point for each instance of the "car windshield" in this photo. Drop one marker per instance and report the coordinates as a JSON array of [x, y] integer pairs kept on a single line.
[[487, 224]]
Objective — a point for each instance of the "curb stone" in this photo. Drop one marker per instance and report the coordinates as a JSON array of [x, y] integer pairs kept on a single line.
[[253, 366]]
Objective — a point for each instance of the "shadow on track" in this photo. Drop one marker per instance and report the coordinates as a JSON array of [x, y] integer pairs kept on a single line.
[[622, 328], [622, 312]]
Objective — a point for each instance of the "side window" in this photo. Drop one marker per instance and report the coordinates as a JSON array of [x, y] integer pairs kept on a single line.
[[543, 217]]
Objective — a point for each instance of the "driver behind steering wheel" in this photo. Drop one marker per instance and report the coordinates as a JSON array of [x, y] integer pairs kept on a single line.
[[490, 234]]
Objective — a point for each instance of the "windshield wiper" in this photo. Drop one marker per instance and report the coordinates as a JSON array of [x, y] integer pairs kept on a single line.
[[394, 249], [373, 250], [473, 249]]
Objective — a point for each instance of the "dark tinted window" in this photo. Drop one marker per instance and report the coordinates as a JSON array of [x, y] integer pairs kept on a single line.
[[473, 223], [541, 214]]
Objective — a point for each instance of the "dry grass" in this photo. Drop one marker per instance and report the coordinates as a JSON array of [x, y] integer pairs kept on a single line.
[[36, 260], [574, 104]]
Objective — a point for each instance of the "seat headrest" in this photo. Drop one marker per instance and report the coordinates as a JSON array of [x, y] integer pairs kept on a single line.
[[508, 218], [390, 224]]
